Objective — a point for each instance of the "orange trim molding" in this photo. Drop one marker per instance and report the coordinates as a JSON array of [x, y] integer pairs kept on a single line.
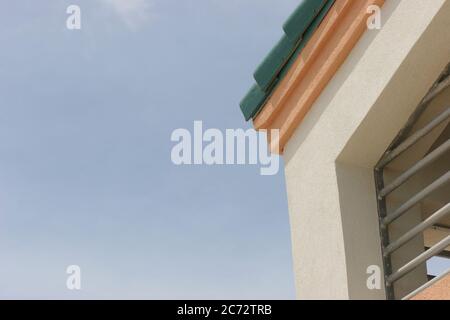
[[314, 68]]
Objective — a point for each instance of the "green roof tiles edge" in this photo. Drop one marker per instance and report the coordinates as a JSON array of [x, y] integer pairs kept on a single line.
[[271, 66], [252, 102], [294, 29], [302, 17], [282, 56]]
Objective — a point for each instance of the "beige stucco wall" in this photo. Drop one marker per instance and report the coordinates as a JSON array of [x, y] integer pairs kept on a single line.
[[330, 158]]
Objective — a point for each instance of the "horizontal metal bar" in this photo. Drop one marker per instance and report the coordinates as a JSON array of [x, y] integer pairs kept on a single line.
[[414, 138], [427, 285], [432, 156], [429, 222], [435, 91], [417, 198], [434, 250]]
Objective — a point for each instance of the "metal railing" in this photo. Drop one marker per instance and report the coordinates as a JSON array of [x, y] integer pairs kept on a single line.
[[403, 142]]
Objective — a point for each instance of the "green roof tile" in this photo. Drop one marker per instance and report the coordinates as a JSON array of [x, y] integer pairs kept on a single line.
[[271, 66], [302, 17], [252, 101], [298, 30]]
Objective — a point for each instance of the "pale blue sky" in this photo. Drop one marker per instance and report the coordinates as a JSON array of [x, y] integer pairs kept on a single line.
[[85, 170]]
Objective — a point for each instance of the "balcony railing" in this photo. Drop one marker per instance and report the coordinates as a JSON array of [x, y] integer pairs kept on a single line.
[[409, 137]]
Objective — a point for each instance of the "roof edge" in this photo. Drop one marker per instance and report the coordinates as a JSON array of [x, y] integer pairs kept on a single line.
[[314, 67], [272, 69]]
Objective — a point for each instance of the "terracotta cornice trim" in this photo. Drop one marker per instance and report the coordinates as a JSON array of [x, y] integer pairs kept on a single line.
[[316, 65]]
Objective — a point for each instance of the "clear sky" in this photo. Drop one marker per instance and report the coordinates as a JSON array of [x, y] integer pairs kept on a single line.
[[85, 171]]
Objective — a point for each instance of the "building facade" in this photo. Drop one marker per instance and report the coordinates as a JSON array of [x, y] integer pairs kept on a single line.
[[360, 93]]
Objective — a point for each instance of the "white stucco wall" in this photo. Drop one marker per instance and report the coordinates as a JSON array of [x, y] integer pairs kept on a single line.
[[330, 158]]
